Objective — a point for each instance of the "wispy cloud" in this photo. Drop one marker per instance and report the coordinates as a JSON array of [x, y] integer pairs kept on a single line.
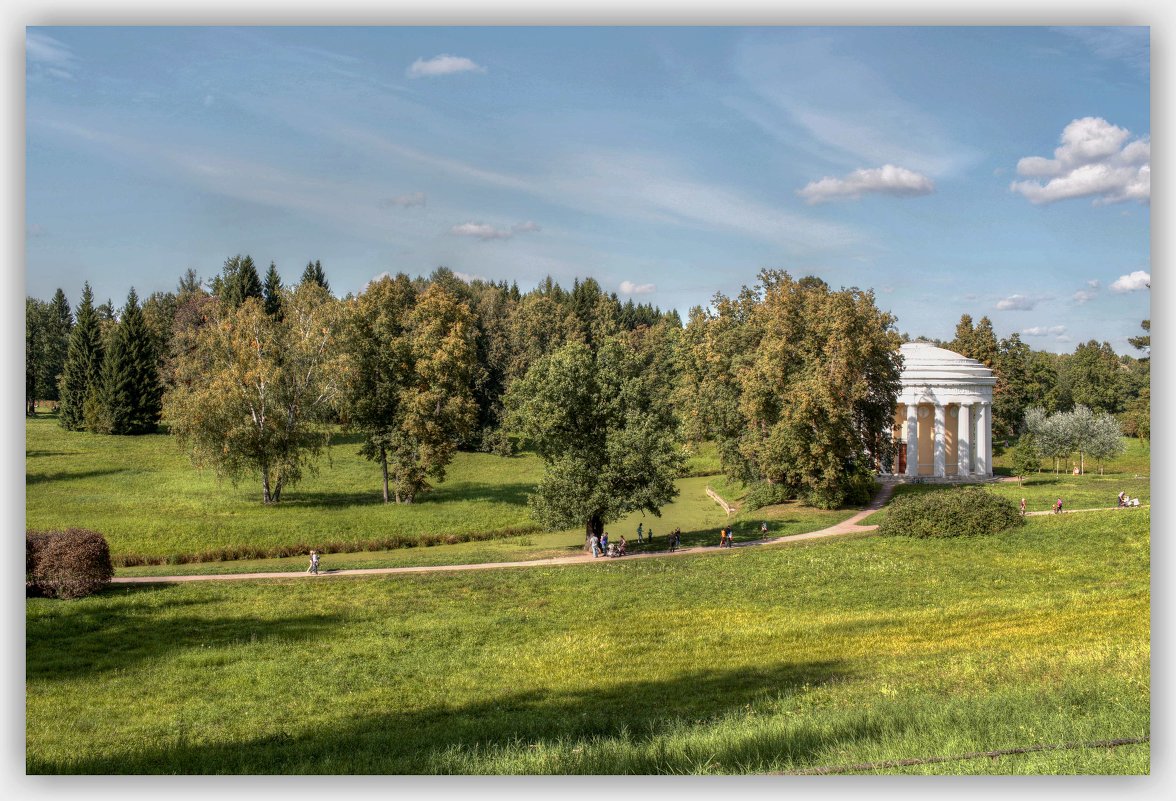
[[1084, 296], [1095, 159], [48, 56], [630, 288], [885, 180], [1044, 331], [404, 201], [1016, 303], [442, 65], [846, 106], [1129, 45], [1133, 282], [487, 232]]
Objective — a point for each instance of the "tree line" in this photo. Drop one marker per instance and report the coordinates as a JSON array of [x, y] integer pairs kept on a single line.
[[795, 382]]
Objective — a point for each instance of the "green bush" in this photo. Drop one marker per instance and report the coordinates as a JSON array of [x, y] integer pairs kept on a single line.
[[765, 494], [66, 564], [957, 512]]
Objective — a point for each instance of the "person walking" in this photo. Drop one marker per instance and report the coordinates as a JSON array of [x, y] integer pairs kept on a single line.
[[1058, 507], [604, 542], [1022, 507], [594, 543], [722, 536], [314, 563], [639, 525]]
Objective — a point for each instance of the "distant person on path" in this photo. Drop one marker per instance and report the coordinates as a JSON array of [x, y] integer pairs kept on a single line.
[[604, 542], [639, 525], [722, 537], [622, 547], [595, 544], [1058, 507], [649, 535], [1122, 498], [314, 562], [677, 538], [1022, 507], [764, 529]]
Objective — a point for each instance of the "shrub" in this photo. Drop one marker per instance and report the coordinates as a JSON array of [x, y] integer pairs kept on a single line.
[[957, 512], [764, 494], [66, 564]]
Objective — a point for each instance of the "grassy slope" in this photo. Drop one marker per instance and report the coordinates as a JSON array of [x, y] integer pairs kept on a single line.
[[144, 496], [767, 659]]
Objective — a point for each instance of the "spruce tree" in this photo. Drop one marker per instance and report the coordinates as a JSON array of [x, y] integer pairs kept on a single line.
[[82, 371], [239, 281], [130, 388], [54, 344], [314, 272], [272, 292]]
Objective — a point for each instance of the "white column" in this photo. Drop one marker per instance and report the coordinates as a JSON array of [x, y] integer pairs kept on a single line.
[[984, 439], [912, 439], [964, 439], [940, 440]]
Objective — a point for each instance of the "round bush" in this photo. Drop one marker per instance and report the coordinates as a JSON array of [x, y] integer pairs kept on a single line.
[[66, 564], [956, 512], [764, 494]]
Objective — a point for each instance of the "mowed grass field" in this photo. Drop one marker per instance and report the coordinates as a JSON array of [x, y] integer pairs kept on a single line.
[[780, 658], [146, 498]]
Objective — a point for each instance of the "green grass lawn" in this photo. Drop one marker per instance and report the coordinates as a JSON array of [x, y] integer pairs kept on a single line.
[[777, 658], [145, 497]]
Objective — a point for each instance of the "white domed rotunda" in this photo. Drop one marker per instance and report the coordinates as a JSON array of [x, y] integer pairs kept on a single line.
[[943, 422]]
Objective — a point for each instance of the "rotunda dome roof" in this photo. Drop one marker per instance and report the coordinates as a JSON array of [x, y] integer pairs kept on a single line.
[[925, 363]]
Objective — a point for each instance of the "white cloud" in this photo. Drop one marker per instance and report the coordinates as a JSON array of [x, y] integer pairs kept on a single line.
[[885, 180], [1132, 283], [1094, 160], [481, 231], [1016, 303], [1094, 283], [1044, 331], [468, 277], [405, 201], [629, 288], [48, 56], [442, 65], [1084, 296], [487, 232]]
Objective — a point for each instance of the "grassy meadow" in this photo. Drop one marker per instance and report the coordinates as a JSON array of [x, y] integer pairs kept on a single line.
[[770, 659], [146, 498]]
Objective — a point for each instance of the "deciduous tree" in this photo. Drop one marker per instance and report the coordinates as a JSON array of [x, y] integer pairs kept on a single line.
[[253, 394]]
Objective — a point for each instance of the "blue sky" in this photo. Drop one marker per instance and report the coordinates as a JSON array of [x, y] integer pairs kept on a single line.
[[994, 171]]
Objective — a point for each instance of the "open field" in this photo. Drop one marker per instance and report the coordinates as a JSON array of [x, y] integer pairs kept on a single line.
[[145, 497], [778, 658]]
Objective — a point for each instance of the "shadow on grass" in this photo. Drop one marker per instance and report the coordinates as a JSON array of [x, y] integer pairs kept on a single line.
[[37, 454], [460, 737], [79, 640], [71, 475]]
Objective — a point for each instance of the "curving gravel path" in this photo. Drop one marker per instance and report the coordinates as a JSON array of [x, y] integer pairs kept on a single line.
[[847, 526]]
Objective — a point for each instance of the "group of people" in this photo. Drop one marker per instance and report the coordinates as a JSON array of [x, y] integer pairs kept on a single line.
[[1127, 500], [602, 547]]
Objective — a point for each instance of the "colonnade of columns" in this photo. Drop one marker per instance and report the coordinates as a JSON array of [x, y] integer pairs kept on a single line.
[[968, 453]]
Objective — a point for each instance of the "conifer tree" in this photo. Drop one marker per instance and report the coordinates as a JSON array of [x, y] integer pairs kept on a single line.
[[130, 380], [240, 281], [82, 371], [314, 272], [57, 324], [272, 292]]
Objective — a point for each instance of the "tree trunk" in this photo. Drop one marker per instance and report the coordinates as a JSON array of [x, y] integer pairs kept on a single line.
[[593, 525], [384, 468], [265, 487]]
